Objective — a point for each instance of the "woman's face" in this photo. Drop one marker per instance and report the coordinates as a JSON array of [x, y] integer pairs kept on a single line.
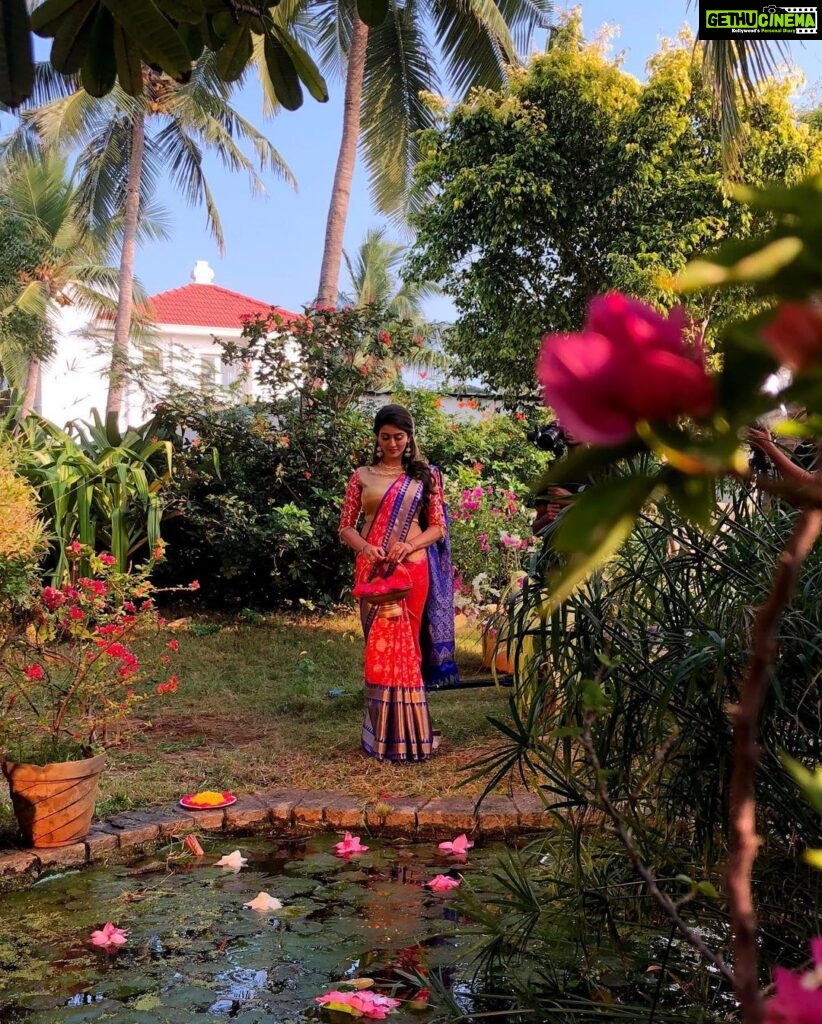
[[392, 441]]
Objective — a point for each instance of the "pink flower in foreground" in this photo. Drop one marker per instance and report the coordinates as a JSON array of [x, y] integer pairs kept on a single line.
[[443, 883], [798, 998], [359, 1004], [628, 363], [109, 937], [107, 559], [794, 336], [460, 846], [349, 846], [52, 598]]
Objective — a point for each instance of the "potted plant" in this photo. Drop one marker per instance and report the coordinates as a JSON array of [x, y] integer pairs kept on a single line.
[[490, 534], [75, 661]]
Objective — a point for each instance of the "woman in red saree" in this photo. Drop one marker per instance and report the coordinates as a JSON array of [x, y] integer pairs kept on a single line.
[[401, 499]]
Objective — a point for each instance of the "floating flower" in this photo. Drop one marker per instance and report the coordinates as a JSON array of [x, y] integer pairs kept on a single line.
[[193, 844], [628, 363], [263, 903], [232, 861], [359, 1004], [443, 883], [109, 937], [349, 846], [798, 998], [459, 846]]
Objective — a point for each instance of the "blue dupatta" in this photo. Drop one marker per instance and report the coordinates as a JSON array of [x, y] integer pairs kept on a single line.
[[439, 666]]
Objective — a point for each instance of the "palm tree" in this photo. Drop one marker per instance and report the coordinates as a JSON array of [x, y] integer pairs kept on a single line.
[[388, 71], [63, 265], [127, 143]]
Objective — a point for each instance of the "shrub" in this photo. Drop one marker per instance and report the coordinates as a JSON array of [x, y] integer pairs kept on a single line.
[[22, 537]]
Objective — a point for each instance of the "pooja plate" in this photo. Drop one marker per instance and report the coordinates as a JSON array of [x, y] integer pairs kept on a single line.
[[188, 801]]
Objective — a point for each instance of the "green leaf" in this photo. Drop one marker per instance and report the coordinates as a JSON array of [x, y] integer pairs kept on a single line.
[[72, 38], [814, 858], [284, 78], [592, 696], [48, 16], [594, 527], [187, 11], [16, 55], [235, 53], [809, 782], [129, 65], [707, 889], [694, 496], [304, 66], [99, 71], [154, 34], [760, 265], [372, 12]]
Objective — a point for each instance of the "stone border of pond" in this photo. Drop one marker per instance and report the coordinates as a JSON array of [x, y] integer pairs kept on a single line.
[[133, 833]]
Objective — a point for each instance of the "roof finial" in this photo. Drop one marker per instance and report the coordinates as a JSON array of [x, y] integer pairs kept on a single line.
[[202, 273]]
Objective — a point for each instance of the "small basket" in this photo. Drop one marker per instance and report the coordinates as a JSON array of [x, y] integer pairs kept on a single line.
[[400, 588]]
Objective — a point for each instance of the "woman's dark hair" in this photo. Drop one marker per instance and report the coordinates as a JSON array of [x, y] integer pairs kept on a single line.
[[413, 462]]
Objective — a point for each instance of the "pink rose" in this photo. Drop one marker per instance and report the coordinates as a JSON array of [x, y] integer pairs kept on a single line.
[[794, 336], [628, 363], [798, 998]]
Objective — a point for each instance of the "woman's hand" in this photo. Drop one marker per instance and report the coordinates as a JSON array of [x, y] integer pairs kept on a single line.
[[373, 553], [399, 552], [760, 439]]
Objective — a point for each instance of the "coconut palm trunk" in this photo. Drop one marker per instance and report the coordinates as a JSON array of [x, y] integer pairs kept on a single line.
[[30, 393], [125, 284], [344, 174]]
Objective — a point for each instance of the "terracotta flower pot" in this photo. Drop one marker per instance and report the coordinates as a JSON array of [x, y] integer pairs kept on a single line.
[[494, 652], [54, 803]]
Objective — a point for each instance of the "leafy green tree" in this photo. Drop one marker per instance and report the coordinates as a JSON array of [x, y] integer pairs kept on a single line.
[[127, 144], [578, 179]]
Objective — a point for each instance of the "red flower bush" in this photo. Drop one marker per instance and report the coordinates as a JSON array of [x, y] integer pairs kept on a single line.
[[794, 336], [629, 363], [83, 660]]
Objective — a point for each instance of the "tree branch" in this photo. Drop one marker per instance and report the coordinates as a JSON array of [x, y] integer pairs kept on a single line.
[[744, 841]]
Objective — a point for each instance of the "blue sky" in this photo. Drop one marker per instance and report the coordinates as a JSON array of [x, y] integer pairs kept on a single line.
[[274, 245]]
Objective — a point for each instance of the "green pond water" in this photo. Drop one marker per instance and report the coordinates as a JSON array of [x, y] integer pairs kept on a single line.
[[194, 954]]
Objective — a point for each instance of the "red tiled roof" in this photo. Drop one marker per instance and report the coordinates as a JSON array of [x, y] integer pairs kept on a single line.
[[208, 305]]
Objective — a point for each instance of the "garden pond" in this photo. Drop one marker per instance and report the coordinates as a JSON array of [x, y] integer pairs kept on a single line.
[[194, 953]]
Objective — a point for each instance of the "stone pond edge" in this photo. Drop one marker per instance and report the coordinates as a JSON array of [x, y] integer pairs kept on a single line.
[[132, 833]]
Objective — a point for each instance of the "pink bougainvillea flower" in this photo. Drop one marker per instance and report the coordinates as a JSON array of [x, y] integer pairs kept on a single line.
[[109, 937], [794, 336], [34, 671], [798, 998], [459, 846], [443, 883], [349, 846], [628, 363]]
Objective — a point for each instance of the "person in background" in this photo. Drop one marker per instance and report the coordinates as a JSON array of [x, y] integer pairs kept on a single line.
[[797, 470]]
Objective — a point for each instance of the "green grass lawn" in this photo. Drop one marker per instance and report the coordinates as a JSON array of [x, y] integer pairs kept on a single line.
[[253, 711]]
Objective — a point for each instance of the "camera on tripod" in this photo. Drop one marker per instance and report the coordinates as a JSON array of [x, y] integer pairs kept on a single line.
[[549, 437]]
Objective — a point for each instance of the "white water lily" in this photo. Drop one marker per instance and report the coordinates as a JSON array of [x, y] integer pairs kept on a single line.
[[262, 903], [232, 862]]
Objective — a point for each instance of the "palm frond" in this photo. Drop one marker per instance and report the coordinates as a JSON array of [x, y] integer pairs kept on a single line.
[[475, 42], [332, 26], [398, 68], [734, 69], [183, 160]]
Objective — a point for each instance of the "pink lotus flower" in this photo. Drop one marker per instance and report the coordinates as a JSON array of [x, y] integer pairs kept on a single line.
[[628, 363], [109, 937], [349, 846], [443, 883], [798, 998], [459, 847], [359, 1004], [794, 336]]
